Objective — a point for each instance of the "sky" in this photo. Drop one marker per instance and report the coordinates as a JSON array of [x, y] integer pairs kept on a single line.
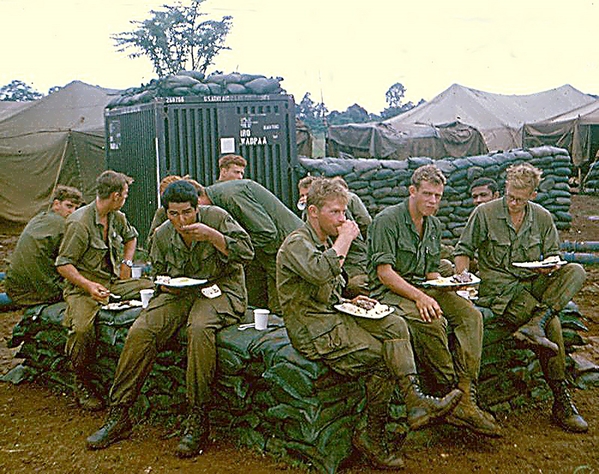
[[340, 51]]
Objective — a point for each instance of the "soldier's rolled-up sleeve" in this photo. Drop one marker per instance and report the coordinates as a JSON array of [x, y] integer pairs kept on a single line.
[[73, 246]]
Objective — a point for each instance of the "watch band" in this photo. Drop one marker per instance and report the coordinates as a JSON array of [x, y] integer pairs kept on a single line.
[[129, 263]]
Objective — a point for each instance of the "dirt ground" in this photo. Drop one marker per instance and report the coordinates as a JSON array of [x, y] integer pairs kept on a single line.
[[44, 431]]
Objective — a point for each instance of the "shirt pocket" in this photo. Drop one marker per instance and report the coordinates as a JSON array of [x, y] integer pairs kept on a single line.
[[499, 250], [96, 252], [529, 249], [117, 248]]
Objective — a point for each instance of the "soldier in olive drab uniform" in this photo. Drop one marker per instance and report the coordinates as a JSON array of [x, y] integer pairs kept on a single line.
[[309, 266], [31, 277], [524, 302], [264, 217], [95, 258], [355, 266], [404, 249], [202, 242]]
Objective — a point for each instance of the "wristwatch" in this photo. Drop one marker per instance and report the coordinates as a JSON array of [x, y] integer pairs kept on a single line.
[[129, 263]]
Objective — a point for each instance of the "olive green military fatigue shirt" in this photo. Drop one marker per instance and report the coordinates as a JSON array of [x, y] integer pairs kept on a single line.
[[309, 283], [84, 247], [393, 239], [358, 213], [260, 213], [31, 277], [170, 256], [490, 231]]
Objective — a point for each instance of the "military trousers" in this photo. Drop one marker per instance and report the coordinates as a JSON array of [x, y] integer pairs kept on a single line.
[[80, 318], [439, 363], [384, 348], [160, 321], [534, 297]]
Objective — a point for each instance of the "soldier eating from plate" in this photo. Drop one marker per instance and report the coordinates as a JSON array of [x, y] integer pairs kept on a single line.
[[524, 301], [200, 242], [309, 281], [95, 258], [404, 250]]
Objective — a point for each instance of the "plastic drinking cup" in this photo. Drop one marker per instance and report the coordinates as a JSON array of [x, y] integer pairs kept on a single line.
[[145, 297], [261, 319]]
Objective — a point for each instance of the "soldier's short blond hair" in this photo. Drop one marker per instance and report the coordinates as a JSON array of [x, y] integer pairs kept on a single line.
[[323, 190], [523, 176], [430, 174], [306, 182]]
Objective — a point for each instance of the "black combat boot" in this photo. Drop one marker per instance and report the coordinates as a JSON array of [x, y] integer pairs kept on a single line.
[[86, 396], [564, 412], [424, 409], [116, 427], [369, 436], [533, 332], [469, 415], [195, 435]]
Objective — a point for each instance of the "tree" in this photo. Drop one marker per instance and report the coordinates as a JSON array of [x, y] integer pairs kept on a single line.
[[353, 114], [312, 113], [174, 39], [394, 97], [19, 91], [54, 89]]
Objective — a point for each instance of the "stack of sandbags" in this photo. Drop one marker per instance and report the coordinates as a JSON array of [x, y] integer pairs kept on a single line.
[[267, 394], [381, 183], [591, 180], [195, 83]]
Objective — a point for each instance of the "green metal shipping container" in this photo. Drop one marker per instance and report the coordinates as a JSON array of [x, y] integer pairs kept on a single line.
[[187, 135]]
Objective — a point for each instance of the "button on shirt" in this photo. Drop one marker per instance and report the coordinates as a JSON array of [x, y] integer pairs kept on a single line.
[[83, 245], [393, 239], [490, 231], [170, 256]]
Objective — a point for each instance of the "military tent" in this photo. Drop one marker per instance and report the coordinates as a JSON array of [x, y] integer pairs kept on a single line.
[[576, 130], [58, 139], [381, 140], [498, 117]]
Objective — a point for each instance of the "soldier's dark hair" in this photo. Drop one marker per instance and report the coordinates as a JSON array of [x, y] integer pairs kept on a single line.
[[489, 182], [180, 191], [64, 193], [323, 190], [111, 182]]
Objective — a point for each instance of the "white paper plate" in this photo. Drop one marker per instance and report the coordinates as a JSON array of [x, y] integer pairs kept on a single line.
[[180, 282], [121, 305], [541, 264], [446, 282], [378, 312]]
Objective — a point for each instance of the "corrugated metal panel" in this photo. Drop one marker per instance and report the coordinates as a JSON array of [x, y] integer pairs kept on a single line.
[[183, 136], [131, 148]]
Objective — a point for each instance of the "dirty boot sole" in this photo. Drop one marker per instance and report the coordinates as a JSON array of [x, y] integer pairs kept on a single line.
[[420, 421], [524, 336]]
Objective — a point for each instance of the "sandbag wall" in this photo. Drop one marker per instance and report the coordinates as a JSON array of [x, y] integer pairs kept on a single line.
[[195, 83], [268, 395], [591, 180], [381, 183]]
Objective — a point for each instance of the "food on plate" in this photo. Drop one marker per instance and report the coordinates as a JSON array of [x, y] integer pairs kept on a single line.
[[377, 311], [162, 280], [464, 277]]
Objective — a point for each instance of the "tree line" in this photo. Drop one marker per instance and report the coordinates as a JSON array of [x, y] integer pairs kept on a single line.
[[178, 38]]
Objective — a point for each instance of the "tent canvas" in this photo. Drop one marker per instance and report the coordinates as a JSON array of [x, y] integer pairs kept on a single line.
[[576, 130], [380, 140], [498, 117], [58, 139]]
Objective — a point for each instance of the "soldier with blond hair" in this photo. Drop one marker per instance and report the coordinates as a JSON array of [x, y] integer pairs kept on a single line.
[[524, 301]]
